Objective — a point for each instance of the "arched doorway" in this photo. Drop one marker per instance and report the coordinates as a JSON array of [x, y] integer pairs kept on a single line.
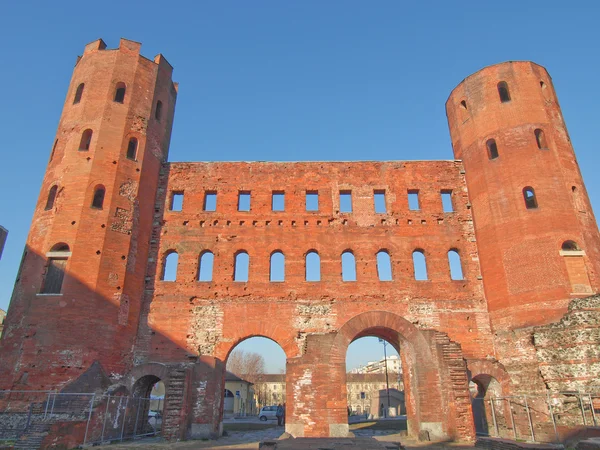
[[374, 381], [435, 381], [255, 380], [149, 400]]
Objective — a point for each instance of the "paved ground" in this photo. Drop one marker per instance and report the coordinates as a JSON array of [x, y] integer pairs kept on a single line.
[[246, 436]]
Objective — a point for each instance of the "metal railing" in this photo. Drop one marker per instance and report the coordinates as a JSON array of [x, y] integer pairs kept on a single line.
[[536, 418], [28, 414]]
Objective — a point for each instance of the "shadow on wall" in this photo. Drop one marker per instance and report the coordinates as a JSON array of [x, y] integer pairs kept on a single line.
[[82, 340]]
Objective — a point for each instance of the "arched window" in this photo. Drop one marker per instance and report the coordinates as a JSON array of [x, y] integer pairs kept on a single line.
[[419, 265], [86, 140], [348, 266], [540, 139], [503, 92], [98, 199], [241, 266], [169, 272], [313, 266], [529, 197], [570, 246], [158, 111], [51, 198], [120, 92], [55, 270], [456, 272], [492, 148], [53, 149], [132, 149], [205, 268], [384, 266], [78, 94], [277, 272]]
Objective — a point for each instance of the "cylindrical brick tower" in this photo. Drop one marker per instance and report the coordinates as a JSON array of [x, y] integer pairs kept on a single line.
[[78, 292], [537, 238]]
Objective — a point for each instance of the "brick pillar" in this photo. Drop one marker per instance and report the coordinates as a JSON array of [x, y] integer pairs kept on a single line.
[[206, 397], [316, 392]]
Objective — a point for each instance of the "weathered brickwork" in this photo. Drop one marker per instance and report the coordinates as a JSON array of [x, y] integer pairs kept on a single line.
[[523, 260]]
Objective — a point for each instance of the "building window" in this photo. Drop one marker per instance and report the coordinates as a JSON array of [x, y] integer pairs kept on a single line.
[[205, 268], [51, 198], [447, 206], [210, 201], [176, 201], [413, 200], [78, 94], [503, 92], [120, 93], [53, 149], [278, 201], [492, 148], [170, 263], [98, 200], [379, 199], [86, 140], [158, 111], [244, 201], [55, 270], [241, 266], [277, 272], [313, 266], [540, 139], [345, 201], [312, 200], [348, 266], [419, 265], [456, 272], [132, 149], [384, 266], [529, 197]]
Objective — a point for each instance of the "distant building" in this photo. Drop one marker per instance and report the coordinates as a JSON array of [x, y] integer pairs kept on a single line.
[[3, 235], [271, 391], [239, 396], [394, 367], [367, 391]]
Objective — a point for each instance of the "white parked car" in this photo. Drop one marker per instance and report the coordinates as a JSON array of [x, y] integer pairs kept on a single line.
[[268, 413]]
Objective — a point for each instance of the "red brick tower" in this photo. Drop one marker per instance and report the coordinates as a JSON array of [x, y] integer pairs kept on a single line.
[[537, 238], [78, 293]]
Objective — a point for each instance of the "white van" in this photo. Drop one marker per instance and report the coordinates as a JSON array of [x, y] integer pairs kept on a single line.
[[267, 413]]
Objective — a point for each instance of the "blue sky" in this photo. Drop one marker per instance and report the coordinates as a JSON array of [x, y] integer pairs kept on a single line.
[[285, 80]]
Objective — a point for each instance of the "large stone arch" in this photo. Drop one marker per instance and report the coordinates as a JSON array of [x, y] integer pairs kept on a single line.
[[436, 381]]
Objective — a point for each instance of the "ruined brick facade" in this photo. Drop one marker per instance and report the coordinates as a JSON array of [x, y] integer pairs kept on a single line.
[[521, 223]]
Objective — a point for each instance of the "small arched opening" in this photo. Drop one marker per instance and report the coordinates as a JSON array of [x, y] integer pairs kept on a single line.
[[503, 92], [55, 269], [492, 148], [78, 94], [170, 263], [86, 140], [149, 400], [277, 267], [241, 267], [486, 402], [98, 198], [120, 89], [51, 198], [132, 148], [312, 266]]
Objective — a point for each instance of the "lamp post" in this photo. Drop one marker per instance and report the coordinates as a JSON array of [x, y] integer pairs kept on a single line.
[[387, 384]]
